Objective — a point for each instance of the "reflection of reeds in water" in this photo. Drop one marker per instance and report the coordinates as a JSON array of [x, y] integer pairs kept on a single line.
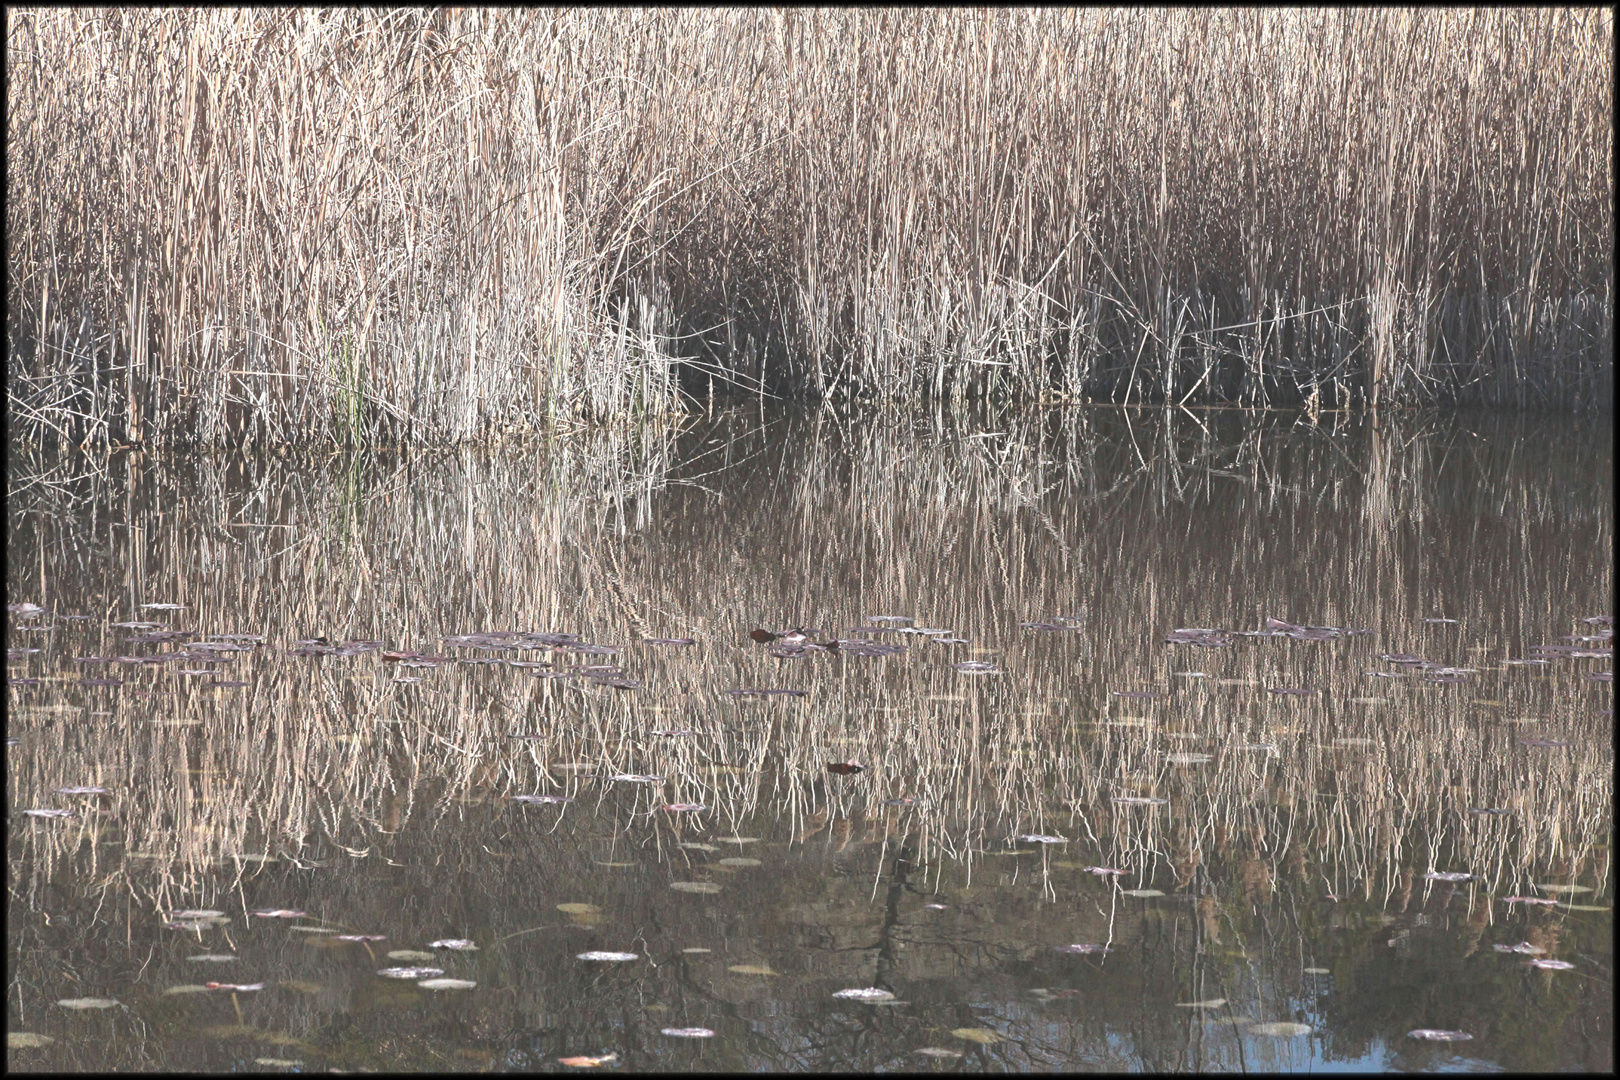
[[437, 226], [1131, 524]]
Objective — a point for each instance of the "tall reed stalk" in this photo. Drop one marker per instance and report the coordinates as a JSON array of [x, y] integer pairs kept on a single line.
[[282, 226]]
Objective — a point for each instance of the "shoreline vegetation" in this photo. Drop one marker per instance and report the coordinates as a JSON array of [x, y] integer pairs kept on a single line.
[[238, 227]]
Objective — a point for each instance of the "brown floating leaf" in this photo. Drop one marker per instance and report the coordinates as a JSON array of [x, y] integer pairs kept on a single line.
[[588, 1062], [845, 768], [762, 636]]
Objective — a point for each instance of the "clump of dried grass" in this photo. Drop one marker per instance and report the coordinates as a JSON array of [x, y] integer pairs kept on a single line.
[[279, 226]]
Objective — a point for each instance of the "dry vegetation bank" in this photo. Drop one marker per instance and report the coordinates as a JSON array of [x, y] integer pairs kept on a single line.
[[237, 225]]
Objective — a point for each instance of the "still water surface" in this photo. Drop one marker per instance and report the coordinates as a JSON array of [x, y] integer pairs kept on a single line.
[[1068, 845]]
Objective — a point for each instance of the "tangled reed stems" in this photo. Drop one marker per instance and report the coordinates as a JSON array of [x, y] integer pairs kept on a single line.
[[286, 226]]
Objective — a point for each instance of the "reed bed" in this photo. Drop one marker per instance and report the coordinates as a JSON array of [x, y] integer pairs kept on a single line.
[[446, 226]]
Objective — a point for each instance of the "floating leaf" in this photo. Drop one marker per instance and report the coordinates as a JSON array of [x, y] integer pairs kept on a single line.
[[26, 1040], [1524, 948], [1142, 892], [696, 950], [579, 909], [211, 958], [1137, 800], [983, 1036], [185, 988], [546, 800], [1542, 743], [410, 972], [409, 954], [1552, 965], [1528, 900], [1208, 1003], [50, 813], [737, 861], [235, 988], [1560, 889], [588, 1062], [360, 937], [867, 994], [284, 1063], [87, 1003], [743, 840], [447, 984], [460, 944], [693, 845], [685, 807], [845, 768], [636, 778], [1438, 1035], [695, 886], [687, 1033], [1102, 871], [608, 957], [1452, 875], [938, 1052], [81, 791], [752, 969], [976, 667], [670, 734], [1038, 838], [1188, 759], [1282, 1029], [196, 913]]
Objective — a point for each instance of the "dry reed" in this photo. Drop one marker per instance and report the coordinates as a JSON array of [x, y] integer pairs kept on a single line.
[[351, 226]]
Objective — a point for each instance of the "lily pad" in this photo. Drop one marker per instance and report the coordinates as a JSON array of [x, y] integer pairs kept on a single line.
[[1564, 889], [609, 957], [409, 954], [695, 886], [868, 994], [738, 861], [752, 969], [1207, 1003], [1142, 892], [459, 944], [1282, 1029], [447, 984], [983, 1036], [579, 909], [87, 1003], [410, 972], [687, 1033]]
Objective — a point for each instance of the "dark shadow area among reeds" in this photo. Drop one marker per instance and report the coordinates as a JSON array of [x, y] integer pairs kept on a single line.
[[240, 226]]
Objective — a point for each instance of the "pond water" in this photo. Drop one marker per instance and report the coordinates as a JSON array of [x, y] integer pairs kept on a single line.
[[1362, 790]]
